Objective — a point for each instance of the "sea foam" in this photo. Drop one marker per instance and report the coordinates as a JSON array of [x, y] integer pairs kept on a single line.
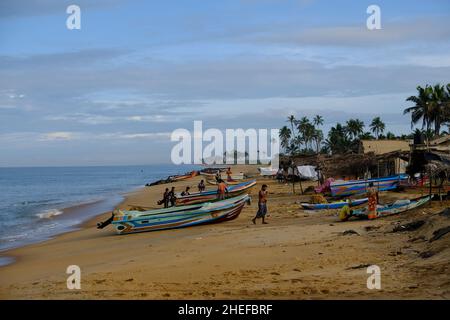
[[47, 214]]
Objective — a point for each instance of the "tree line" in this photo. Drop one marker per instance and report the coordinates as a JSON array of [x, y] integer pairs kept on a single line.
[[304, 136]]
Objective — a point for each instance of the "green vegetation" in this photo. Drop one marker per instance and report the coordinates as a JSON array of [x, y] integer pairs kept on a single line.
[[302, 136]]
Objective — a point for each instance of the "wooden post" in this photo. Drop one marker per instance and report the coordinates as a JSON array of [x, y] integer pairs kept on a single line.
[[429, 178]]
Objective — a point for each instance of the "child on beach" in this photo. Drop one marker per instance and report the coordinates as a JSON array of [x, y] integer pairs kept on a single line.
[[262, 205]]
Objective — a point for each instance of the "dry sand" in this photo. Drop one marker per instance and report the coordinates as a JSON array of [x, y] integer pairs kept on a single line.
[[298, 255]]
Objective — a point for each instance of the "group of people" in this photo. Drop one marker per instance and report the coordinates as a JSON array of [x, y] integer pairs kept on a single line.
[[169, 197]]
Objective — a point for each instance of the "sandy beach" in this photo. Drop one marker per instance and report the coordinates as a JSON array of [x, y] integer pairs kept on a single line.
[[298, 255]]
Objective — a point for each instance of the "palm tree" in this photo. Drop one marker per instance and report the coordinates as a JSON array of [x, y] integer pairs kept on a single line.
[[355, 127], [291, 120], [337, 141], [318, 120], [303, 130], [390, 136], [285, 136], [422, 107], [318, 138], [438, 102], [377, 126]]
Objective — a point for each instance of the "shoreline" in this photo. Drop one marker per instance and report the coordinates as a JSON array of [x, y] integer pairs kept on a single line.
[[90, 213], [298, 255]]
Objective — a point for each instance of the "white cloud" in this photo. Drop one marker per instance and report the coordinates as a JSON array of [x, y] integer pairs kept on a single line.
[[56, 136]]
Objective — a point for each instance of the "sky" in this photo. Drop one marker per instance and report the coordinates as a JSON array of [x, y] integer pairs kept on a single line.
[[112, 92]]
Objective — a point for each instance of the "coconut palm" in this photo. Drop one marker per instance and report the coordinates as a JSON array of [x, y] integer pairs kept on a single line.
[[317, 138], [338, 140], [318, 120], [422, 107], [439, 100], [285, 137], [291, 120], [390, 136], [377, 126], [355, 127], [302, 128]]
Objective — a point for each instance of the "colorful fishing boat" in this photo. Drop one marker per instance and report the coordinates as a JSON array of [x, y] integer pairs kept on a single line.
[[178, 217], [208, 196], [390, 209], [341, 188], [232, 182], [334, 205]]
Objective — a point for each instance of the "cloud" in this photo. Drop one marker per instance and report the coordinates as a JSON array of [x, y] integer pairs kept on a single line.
[[392, 32], [30, 137], [56, 136]]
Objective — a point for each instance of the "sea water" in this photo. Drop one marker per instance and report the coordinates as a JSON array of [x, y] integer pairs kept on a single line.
[[34, 201]]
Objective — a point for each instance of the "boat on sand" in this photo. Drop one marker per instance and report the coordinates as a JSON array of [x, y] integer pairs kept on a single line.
[[211, 195], [334, 205], [395, 207], [178, 217]]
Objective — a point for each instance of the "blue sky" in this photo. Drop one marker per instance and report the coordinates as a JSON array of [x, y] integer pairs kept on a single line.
[[112, 92]]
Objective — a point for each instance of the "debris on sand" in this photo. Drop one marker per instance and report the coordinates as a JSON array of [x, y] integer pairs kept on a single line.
[[440, 233], [370, 228], [409, 226], [426, 254], [445, 213], [359, 266], [349, 232]]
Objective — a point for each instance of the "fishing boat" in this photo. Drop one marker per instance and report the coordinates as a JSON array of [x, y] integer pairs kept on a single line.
[[341, 188], [233, 182], [334, 205], [393, 208], [178, 217], [208, 196], [184, 176]]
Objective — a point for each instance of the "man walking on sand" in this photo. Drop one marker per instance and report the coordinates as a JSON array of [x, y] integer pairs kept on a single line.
[[262, 205]]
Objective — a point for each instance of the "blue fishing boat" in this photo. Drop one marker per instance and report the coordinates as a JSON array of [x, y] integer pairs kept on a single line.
[[178, 217], [353, 187], [334, 205]]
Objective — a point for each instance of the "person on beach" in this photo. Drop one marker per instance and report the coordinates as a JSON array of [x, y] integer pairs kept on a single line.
[[229, 173], [166, 198], [186, 192], [372, 194], [172, 197], [201, 186], [218, 176], [262, 205], [221, 189]]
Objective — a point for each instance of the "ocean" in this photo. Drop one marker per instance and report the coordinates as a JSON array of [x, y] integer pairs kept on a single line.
[[38, 203]]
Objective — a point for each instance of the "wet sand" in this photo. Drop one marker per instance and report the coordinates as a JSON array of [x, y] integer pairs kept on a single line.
[[298, 255]]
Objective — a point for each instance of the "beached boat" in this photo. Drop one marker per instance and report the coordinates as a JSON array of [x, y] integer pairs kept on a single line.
[[233, 182], [393, 208], [184, 176], [334, 205], [341, 188], [178, 217], [211, 195]]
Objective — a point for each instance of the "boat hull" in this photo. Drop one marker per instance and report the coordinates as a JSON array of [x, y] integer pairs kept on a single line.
[[348, 188], [132, 222], [333, 205], [394, 208], [211, 196]]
